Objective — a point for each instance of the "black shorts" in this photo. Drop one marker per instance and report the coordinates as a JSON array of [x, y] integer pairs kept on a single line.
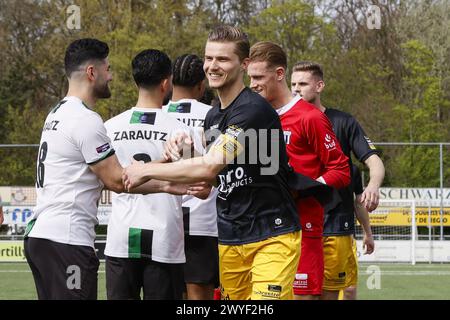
[[202, 260], [62, 271], [125, 277]]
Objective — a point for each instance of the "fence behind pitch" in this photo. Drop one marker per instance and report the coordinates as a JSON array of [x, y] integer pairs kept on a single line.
[[408, 231]]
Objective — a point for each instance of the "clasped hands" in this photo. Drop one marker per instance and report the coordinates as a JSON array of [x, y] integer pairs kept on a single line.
[[135, 174]]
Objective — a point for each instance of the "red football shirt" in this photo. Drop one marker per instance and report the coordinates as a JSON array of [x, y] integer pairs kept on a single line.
[[315, 152]]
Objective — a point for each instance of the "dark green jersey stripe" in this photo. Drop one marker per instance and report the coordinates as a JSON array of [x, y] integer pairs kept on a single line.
[[29, 227], [134, 243], [140, 243]]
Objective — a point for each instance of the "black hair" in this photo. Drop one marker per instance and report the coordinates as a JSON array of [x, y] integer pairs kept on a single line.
[[82, 50], [188, 70], [150, 67]]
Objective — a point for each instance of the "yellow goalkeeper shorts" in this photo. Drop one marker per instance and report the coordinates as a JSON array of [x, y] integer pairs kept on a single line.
[[260, 270], [340, 262]]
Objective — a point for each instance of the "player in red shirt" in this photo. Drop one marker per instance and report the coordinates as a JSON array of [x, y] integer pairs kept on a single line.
[[313, 151]]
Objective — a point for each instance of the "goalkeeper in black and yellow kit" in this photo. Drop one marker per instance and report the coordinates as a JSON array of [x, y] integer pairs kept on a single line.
[[259, 231]]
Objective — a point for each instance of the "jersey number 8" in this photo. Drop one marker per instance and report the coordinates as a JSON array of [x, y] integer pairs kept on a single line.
[[40, 167]]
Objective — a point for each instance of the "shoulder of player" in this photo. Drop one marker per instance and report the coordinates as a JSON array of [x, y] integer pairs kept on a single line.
[[252, 103], [81, 117], [308, 111], [201, 105], [118, 118], [339, 114]]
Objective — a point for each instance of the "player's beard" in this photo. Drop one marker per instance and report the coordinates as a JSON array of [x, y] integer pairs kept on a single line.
[[102, 91]]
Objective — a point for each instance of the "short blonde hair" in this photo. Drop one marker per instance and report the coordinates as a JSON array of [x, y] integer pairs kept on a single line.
[[269, 52], [226, 33]]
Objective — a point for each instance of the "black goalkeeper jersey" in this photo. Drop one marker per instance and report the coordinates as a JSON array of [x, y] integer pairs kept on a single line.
[[252, 206], [352, 138]]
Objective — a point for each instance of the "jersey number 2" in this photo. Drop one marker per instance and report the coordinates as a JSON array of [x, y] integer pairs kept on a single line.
[[40, 167]]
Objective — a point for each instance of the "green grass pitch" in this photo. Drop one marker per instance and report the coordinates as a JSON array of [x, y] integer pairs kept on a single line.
[[397, 282]]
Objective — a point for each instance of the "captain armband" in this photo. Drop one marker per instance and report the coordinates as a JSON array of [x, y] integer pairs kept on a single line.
[[228, 145]]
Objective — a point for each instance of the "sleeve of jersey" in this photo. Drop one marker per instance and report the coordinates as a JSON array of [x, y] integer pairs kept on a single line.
[[325, 143], [360, 143], [92, 140], [357, 180]]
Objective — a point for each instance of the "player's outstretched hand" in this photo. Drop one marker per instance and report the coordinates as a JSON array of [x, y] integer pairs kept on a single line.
[[173, 149], [368, 244], [370, 198], [132, 176], [199, 190]]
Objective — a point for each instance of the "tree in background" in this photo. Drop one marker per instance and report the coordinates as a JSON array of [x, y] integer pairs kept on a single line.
[[395, 80]]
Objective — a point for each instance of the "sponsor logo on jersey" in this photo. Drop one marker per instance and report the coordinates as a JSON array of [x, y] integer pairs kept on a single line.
[[143, 117], [140, 135], [267, 294], [51, 125], [183, 107], [103, 148], [287, 136], [278, 223], [329, 143], [301, 276], [370, 143], [233, 179], [308, 225], [275, 288], [192, 122], [301, 281]]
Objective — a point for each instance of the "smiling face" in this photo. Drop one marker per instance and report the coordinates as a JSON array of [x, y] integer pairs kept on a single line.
[[263, 79], [222, 65]]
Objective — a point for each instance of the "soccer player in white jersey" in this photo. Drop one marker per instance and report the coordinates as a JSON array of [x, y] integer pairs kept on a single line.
[[145, 242], [75, 161], [201, 271]]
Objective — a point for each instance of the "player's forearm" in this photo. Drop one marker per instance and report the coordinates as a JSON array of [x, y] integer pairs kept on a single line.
[[183, 171], [363, 218], [152, 186], [376, 169]]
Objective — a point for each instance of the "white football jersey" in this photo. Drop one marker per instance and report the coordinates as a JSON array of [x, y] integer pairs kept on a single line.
[[67, 191], [200, 215], [149, 226]]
